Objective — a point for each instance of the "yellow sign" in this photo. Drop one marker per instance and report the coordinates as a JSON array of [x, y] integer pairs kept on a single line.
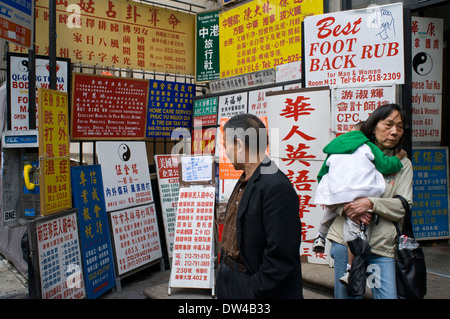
[[118, 33], [54, 151], [262, 34]]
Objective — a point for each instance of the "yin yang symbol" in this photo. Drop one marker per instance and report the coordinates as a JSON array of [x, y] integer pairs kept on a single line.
[[23, 66], [422, 63], [124, 152]]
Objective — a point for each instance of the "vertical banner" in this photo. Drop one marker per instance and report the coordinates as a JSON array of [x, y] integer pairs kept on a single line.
[[303, 119], [427, 66], [192, 264], [262, 34], [207, 46], [54, 148], [58, 250], [169, 188], [95, 240], [126, 177], [430, 217], [169, 107], [355, 47], [136, 237]]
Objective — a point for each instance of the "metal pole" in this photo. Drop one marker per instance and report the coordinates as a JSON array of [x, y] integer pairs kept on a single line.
[[52, 43], [32, 80]]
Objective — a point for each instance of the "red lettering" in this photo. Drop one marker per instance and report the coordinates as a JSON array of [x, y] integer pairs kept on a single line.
[[324, 31]]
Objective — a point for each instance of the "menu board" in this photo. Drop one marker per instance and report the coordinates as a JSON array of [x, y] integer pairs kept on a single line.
[[105, 107]]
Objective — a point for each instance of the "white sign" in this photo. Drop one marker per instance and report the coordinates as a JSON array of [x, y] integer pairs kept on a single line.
[[126, 177], [257, 103], [355, 47], [197, 168], [427, 42], [354, 104], [192, 264], [231, 105], [169, 188], [18, 86], [136, 237]]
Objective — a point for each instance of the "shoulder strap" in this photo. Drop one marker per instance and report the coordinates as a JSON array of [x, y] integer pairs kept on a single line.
[[407, 225]]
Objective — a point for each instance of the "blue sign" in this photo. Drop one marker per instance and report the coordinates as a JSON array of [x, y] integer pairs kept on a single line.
[[430, 193], [170, 107], [98, 261]]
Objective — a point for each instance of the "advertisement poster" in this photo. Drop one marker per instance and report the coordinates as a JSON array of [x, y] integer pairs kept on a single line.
[[136, 237], [355, 47], [126, 177], [18, 86], [95, 240], [192, 263], [207, 44], [257, 103], [54, 148], [352, 105], [430, 217], [17, 22], [205, 112], [204, 141], [262, 34], [58, 249], [118, 33], [170, 107], [427, 37], [303, 120], [231, 105], [106, 107], [169, 188]]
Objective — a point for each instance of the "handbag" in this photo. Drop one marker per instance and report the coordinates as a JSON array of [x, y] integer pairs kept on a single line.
[[410, 268]]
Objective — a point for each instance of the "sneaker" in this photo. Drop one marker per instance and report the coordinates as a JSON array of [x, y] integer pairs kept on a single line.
[[344, 279], [319, 244]]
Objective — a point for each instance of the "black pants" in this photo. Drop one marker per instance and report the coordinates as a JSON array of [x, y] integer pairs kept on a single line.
[[232, 284]]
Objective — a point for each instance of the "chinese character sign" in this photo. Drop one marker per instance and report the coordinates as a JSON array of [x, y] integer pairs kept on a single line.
[[17, 22], [119, 33], [136, 237], [207, 42], [257, 103], [192, 263], [106, 107], [355, 47], [18, 86], [58, 249], [232, 104], [170, 107], [126, 177], [427, 37], [262, 34], [88, 198], [54, 150], [430, 217], [205, 112], [169, 187]]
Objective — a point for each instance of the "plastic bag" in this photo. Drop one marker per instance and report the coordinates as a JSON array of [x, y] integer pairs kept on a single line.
[[406, 242]]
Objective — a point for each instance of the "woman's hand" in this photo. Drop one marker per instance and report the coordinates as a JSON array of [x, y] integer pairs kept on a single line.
[[358, 210]]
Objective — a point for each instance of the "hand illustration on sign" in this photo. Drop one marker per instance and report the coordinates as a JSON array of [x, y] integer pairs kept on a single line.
[[383, 20]]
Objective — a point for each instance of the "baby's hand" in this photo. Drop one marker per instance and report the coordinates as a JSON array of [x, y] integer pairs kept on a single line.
[[401, 154]]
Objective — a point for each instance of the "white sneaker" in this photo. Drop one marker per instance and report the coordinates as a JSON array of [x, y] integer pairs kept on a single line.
[[344, 279], [319, 244]]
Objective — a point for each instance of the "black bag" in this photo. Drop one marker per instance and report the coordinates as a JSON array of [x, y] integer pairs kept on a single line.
[[411, 272]]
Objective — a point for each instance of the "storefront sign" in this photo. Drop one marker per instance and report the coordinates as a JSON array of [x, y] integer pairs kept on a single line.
[[355, 47], [17, 22], [207, 45], [18, 86], [58, 250], [427, 43], [126, 177], [192, 264], [95, 240], [262, 34], [205, 112], [352, 105], [54, 148], [169, 188], [136, 237], [169, 107], [119, 33], [105, 107], [430, 217]]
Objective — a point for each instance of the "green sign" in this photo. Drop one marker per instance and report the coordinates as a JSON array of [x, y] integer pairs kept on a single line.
[[207, 44]]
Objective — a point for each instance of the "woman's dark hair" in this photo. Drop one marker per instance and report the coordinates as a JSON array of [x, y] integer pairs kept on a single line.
[[381, 113]]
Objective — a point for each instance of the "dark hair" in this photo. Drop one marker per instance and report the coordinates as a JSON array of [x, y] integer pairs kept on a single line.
[[381, 113], [249, 129]]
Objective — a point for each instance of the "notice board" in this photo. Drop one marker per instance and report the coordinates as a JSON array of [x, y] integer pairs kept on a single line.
[[106, 107], [57, 261], [95, 240], [430, 217]]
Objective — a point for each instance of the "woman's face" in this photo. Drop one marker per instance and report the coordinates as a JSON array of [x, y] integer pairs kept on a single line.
[[389, 131]]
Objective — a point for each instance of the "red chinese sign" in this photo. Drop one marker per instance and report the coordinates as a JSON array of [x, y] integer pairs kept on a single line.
[[105, 107]]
